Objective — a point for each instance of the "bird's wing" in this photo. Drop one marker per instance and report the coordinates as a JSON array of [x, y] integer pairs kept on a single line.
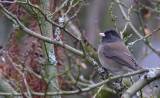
[[120, 55]]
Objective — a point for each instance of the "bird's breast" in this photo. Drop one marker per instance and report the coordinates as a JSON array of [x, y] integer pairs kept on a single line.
[[109, 64]]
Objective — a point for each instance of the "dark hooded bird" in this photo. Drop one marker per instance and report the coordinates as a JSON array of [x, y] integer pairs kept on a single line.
[[114, 55]]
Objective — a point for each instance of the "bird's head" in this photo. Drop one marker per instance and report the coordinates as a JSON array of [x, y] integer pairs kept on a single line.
[[110, 36]]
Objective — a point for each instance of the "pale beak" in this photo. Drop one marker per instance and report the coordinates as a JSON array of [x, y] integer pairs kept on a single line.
[[102, 34]]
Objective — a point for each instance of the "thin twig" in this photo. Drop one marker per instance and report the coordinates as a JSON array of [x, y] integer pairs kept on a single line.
[[136, 32]]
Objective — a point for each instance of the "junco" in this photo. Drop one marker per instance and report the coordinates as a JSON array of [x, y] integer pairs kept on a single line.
[[114, 55]]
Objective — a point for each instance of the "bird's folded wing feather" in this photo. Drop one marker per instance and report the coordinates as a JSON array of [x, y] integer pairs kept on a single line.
[[120, 55]]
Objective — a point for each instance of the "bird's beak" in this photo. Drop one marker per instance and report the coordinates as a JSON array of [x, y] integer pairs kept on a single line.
[[102, 34]]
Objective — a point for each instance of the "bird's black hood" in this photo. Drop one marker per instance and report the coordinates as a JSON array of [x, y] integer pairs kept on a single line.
[[110, 36]]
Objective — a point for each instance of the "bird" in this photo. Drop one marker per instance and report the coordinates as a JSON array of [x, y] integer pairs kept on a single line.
[[113, 54]]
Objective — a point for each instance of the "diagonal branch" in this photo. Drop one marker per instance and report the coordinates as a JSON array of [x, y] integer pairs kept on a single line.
[[13, 18], [139, 85], [135, 30], [89, 88]]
